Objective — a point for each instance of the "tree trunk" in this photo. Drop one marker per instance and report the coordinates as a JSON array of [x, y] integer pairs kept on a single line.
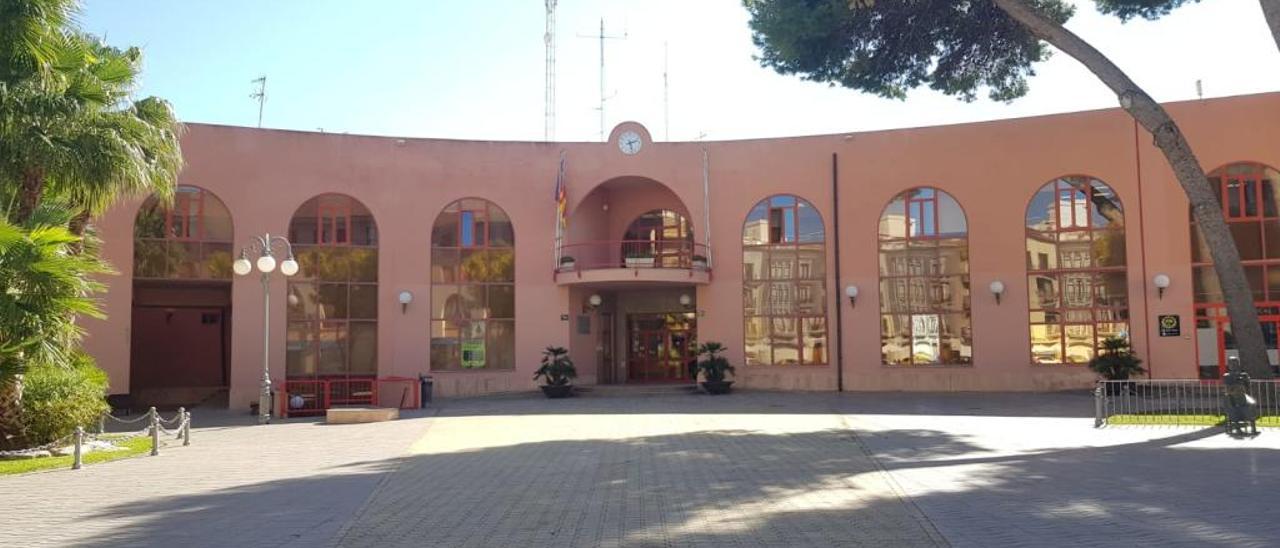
[[11, 413], [29, 194], [78, 225], [1205, 207], [1271, 11]]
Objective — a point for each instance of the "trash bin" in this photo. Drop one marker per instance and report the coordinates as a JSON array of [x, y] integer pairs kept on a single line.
[[424, 393]]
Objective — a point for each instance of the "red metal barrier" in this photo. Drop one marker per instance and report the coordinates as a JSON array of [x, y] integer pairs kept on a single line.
[[304, 397]]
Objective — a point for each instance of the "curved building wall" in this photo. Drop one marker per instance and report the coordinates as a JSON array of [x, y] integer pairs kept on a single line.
[[992, 168]]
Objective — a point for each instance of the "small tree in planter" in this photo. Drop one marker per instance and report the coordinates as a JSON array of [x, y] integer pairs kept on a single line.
[[713, 368], [1116, 362], [558, 370]]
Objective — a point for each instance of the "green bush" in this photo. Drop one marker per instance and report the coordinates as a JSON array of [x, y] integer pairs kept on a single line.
[[55, 400]]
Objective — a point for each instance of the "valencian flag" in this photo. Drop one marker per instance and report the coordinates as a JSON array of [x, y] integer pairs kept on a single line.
[[562, 203]]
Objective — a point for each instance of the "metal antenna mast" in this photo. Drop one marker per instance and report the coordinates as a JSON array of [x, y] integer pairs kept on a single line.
[[666, 101], [549, 110], [260, 95], [602, 37]]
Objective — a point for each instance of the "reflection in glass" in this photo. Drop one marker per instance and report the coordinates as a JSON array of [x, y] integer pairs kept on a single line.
[[1076, 277], [472, 287], [333, 299], [924, 268], [783, 241]]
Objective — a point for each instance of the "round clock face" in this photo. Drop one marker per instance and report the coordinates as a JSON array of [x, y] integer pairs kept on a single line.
[[629, 142]]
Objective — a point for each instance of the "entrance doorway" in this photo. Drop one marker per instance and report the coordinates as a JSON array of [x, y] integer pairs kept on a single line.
[[661, 347], [180, 338], [1216, 344]]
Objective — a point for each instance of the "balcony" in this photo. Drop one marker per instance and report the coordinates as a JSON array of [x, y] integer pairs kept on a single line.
[[634, 261]]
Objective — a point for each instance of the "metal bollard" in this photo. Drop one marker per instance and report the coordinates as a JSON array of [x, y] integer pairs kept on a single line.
[[102, 423], [75, 461], [1097, 406], [182, 414], [186, 428], [155, 432]]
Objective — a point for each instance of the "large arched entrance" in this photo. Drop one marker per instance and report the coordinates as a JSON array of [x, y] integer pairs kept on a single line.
[[181, 333], [633, 266]]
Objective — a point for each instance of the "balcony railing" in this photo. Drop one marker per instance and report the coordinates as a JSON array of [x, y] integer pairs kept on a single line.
[[677, 254]]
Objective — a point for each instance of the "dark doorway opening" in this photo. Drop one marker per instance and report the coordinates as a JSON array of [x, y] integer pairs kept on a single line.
[[180, 344]]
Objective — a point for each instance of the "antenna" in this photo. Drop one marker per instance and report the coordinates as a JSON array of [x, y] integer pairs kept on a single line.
[[666, 101], [1199, 89], [602, 37], [549, 109], [260, 95]]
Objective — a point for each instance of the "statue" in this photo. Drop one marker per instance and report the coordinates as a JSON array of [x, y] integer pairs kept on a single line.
[[1241, 408]]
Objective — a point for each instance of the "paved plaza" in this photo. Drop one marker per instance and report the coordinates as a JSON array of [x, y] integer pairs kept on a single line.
[[669, 468]]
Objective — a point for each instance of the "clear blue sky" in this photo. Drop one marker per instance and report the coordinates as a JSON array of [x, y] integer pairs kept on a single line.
[[474, 69]]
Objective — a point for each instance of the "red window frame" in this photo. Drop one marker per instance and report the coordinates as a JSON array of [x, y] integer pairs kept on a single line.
[[790, 287], [927, 280], [1079, 199]]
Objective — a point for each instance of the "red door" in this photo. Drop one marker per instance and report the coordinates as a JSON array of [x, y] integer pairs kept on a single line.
[[660, 347]]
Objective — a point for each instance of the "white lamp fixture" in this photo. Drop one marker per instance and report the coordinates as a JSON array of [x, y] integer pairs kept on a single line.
[[997, 289], [1161, 281], [266, 263], [289, 267], [242, 266], [686, 300], [851, 291], [593, 302], [405, 298]]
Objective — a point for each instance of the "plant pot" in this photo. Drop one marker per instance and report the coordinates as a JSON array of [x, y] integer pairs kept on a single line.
[[568, 265], [717, 387], [700, 264], [557, 391]]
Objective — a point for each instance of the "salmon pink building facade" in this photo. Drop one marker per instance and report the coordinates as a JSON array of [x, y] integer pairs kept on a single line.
[[986, 256]]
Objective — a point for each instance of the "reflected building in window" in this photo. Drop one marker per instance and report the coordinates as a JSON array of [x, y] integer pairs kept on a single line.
[[784, 283]]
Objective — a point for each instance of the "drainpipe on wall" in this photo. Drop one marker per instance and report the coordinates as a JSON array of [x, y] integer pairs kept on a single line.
[[706, 203], [835, 217]]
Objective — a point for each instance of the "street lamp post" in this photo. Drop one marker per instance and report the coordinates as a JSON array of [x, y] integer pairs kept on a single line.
[[266, 263]]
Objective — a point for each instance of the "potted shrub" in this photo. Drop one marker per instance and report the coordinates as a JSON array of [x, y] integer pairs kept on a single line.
[[567, 263], [699, 262], [557, 369], [639, 258], [1116, 362], [713, 367]]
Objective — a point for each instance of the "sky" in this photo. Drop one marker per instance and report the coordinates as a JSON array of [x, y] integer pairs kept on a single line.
[[475, 69]]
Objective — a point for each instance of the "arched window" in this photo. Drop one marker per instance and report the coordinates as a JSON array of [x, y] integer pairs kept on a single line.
[[1076, 281], [473, 292], [784, 261], [191, 240], [333, 300], [1247, 192], [661, 234], [924, 280]]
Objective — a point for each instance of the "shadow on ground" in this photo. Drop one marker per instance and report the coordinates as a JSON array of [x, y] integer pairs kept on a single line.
[[745, 488]]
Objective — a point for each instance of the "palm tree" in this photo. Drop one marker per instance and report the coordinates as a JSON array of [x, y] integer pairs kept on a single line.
[[46, 287], [68, 124]]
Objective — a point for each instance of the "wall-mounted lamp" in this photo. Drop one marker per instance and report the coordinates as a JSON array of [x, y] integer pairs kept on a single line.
[[1161, 282], [405, 297], [852, 292], [686, 301], [593, 302], [997, 289]]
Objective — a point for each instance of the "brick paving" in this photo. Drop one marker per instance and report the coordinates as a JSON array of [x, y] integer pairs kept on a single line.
[[291, 483], [751, 470], [672, 469]]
